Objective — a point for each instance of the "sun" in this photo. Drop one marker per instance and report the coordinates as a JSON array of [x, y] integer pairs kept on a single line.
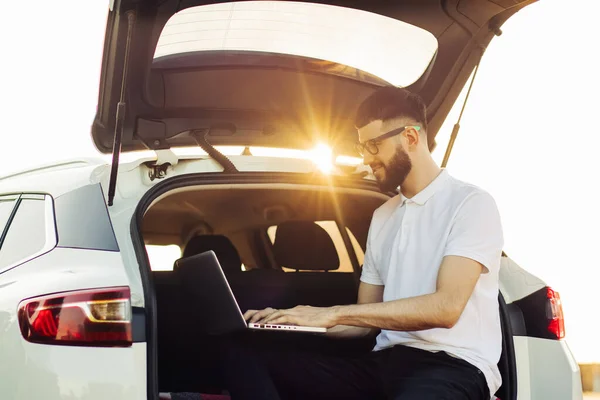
[[322, 156]]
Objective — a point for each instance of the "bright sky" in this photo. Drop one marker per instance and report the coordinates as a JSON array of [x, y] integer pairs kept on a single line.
[[523, 137]]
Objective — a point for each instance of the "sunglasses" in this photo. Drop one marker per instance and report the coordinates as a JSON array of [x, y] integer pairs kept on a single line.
[[371, 145]]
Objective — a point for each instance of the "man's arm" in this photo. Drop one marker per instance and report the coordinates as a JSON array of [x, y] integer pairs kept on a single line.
[[457, 278], [473, 247], [367, 294], [442, 309]]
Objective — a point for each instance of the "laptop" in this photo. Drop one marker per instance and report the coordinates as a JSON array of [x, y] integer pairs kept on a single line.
[[203, 277]]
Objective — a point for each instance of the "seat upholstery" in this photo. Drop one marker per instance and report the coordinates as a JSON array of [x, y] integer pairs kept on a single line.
[[305, 246], [300, 245], [225, 251]]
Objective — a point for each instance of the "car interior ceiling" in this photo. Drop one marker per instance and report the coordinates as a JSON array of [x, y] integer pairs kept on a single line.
[[231, 209], [233, 223]]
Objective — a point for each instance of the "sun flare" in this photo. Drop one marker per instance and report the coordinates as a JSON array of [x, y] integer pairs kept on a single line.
[[322, 156]]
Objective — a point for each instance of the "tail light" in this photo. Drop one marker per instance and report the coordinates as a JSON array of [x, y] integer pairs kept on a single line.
[[98, 317], [554, 313]]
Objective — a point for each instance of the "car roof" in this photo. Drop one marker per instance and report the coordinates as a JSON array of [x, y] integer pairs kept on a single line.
[[55, 178]]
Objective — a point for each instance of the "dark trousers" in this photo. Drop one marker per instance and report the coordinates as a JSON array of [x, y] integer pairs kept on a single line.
[[257, 372]]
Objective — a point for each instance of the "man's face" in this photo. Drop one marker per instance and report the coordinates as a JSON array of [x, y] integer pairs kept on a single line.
[[391, 164]]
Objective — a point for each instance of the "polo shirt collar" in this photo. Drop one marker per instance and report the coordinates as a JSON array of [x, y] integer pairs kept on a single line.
[[425, 194]]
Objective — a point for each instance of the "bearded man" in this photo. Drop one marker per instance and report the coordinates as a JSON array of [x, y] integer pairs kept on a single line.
[[428, 290]]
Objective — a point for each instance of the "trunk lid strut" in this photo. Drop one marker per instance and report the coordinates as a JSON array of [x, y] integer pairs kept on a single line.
[[457, 125], [120, 117]]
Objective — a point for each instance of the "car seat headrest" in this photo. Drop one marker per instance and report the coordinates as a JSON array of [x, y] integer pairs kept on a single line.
[[304, 245], [225, 251]]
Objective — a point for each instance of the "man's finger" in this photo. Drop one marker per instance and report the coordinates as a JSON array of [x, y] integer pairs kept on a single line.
[[259, 316], [249, 314], [269, 317], [272, 316], [283, 320]]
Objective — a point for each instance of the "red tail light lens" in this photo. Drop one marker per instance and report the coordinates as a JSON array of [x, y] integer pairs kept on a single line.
[[556, 321], [98, 317]]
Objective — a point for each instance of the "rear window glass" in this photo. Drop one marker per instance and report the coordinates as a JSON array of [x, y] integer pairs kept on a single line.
[[390, 49], [162, 258], [332, 229]]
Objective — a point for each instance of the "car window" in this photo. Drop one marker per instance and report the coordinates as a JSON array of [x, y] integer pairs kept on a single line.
[[317, 31], [26, 234], [332, 229], [6, 207], [162, 257]]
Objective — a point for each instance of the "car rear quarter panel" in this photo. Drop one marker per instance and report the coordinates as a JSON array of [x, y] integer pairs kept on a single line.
[[546, 369], [36, 371]]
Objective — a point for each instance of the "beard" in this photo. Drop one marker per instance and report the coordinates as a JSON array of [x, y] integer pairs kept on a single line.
[[395, 170]]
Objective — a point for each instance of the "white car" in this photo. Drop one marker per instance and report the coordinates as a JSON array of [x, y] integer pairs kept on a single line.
[[90, 306]]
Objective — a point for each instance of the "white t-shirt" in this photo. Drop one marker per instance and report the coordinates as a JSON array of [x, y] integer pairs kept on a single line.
[[408, 238]]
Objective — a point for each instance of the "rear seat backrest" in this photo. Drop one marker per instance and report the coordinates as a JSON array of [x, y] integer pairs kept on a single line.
[[299, 245], [305, 246]]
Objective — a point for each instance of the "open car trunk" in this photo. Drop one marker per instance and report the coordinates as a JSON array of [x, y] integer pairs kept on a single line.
[[265, 236], [240, 222]]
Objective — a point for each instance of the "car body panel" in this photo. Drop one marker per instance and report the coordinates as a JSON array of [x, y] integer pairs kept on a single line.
[[515, 282], [74, 373], [546, 369], [54, 178], [32, 371]]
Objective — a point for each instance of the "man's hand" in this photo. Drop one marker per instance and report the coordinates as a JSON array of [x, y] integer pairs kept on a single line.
[[366, 294], [258, 316], [300, 315]]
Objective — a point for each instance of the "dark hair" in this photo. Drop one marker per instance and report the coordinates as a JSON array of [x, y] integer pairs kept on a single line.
[[391, 102]]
